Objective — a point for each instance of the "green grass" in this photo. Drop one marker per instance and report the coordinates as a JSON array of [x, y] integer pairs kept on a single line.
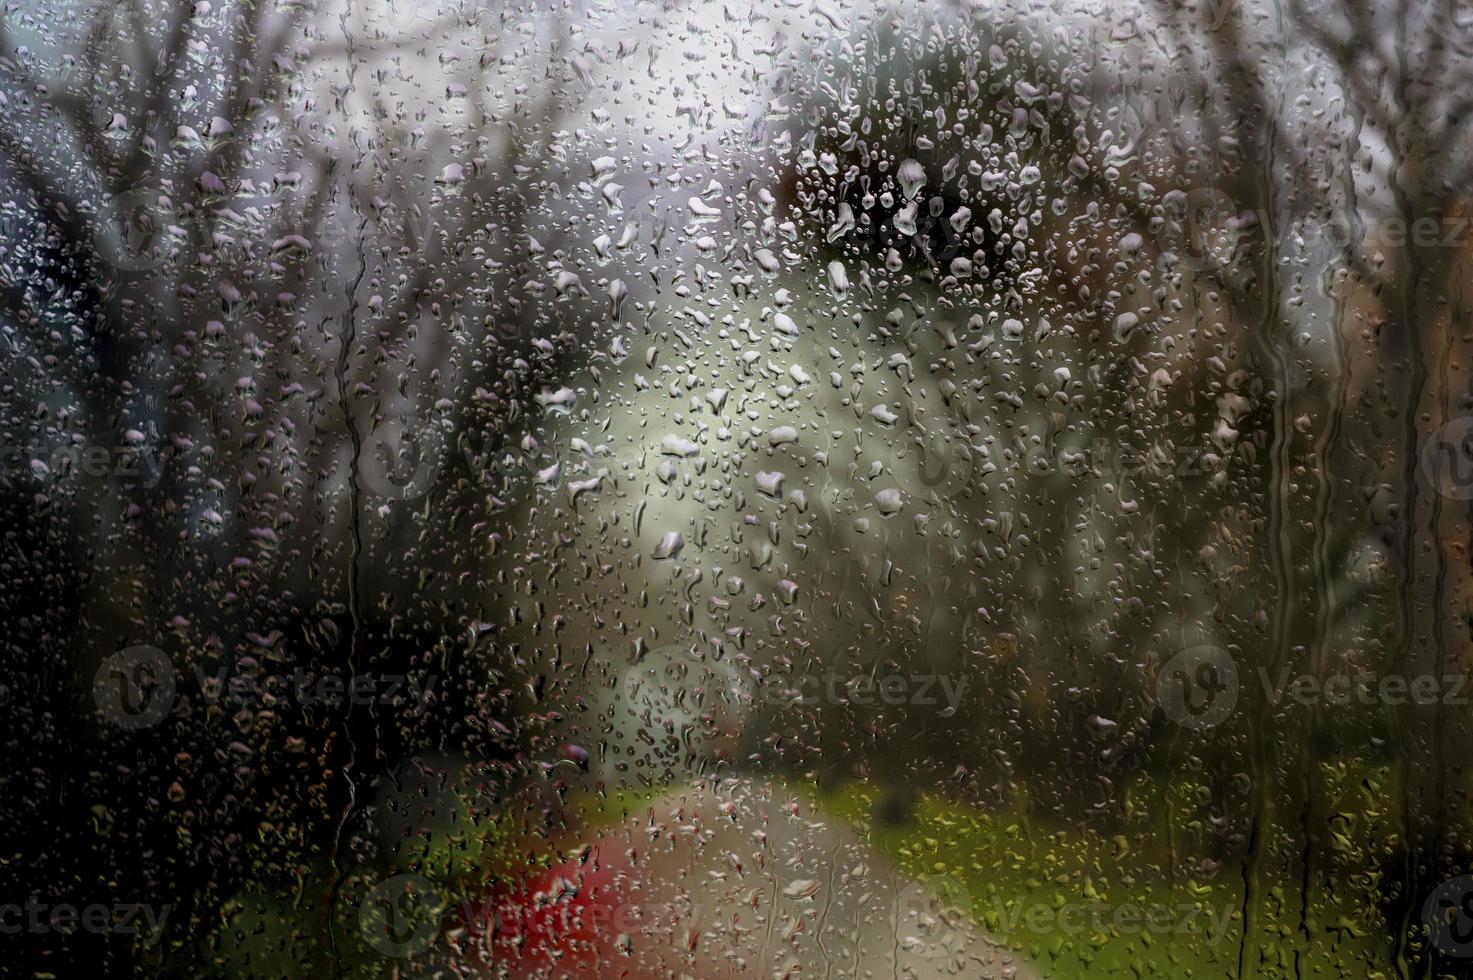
[[1050, 889]]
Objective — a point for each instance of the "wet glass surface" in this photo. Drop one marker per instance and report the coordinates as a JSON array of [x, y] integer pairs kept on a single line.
[[736, 489]]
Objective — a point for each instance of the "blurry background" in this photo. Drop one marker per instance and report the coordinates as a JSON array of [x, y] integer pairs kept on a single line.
[[1000, 422]]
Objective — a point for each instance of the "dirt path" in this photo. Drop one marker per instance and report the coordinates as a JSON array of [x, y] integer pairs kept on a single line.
[[740, 880]]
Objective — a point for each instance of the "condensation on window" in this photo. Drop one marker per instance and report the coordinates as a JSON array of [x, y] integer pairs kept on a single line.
[[736, 489]]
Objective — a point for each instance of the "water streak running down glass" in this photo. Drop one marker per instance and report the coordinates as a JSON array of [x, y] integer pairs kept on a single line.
[[661, 489]]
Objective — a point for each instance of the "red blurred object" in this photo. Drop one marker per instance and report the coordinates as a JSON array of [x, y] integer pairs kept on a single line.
[[573, 920]]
